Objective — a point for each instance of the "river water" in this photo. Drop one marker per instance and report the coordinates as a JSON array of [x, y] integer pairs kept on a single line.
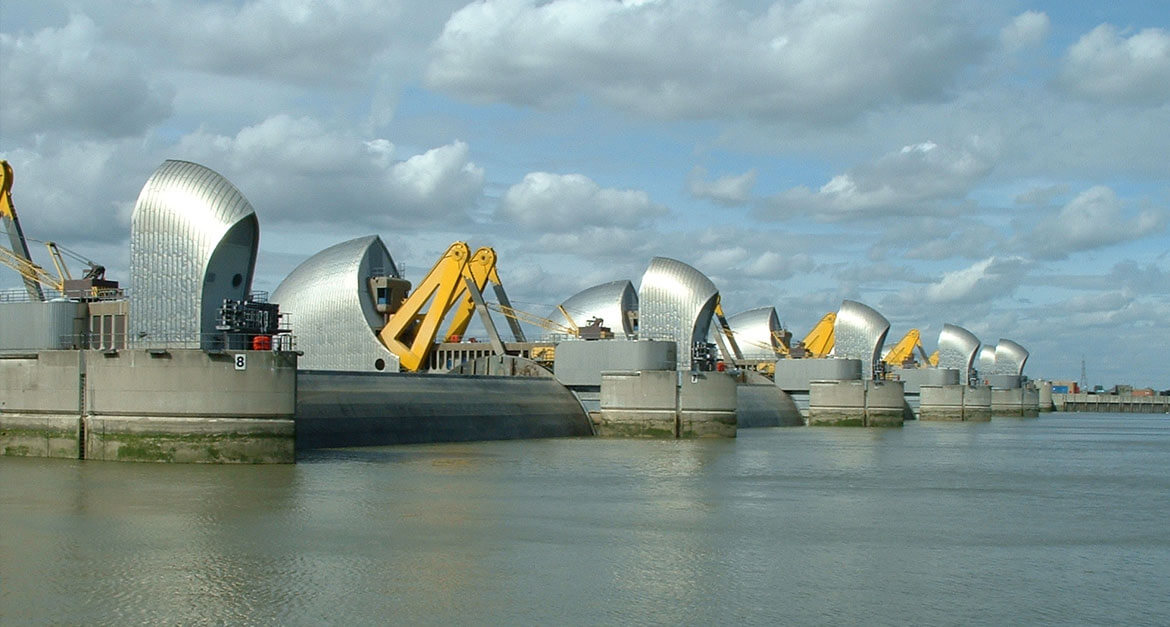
[[1062, 519]]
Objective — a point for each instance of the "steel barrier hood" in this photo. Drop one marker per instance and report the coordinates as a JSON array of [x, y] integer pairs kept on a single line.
[[1010, 358], [331, 311], [615, 303], [193, 242], [676, 302], [957, 348], [860, 332], [986, 359], [755, 332]]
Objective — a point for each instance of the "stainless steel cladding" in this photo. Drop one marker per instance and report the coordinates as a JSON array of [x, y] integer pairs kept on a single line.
[[986, 359], [755, 332], [675, 302], [193, 240], [860, 332], [615, 303], [331, 311], [957, 348], [1010, 358]]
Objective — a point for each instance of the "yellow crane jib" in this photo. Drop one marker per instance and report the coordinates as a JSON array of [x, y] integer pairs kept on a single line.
[[820, 341], [410, 333]]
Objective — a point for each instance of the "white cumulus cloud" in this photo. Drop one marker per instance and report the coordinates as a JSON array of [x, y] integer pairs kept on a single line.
[[1107, 66], [64, 80], [1094, 219], [910, 181], [986, 280], [1028, 29], [730, 190], [706, 58], [564, 202]]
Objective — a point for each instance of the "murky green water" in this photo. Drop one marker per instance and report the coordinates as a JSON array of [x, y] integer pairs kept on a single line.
[[1062, 519]]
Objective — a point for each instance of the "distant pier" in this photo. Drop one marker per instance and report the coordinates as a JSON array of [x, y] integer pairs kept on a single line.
[[1108, 403]]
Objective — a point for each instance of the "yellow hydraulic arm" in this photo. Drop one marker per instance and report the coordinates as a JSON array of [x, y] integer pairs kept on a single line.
[[735, 355], [481, 268], [18, 258], [410, 333], [820, 341], [905, 348]]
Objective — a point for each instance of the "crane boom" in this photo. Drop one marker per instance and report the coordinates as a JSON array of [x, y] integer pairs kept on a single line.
[[905, 348]]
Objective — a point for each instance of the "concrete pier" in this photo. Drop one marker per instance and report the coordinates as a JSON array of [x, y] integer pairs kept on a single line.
[[1045, 398], [1020, 402], [667, 404], [150, 405], [856, 403], [955, 403]]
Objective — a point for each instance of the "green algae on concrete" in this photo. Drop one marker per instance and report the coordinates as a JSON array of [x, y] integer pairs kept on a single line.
[[24, 435], [191, 440]]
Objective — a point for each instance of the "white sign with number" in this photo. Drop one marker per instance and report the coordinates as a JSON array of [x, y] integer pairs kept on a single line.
[[241, 361]]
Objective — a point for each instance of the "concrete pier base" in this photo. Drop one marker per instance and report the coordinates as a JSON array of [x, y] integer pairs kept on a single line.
[[856, 403], [1031, 402], [179, 405], [955, 403], [40, 435], [1009, 403], [190, 440], [1045, 398], [663, 404], [977, 404]]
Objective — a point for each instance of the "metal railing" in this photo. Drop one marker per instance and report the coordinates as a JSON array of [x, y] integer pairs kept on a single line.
[[206, 341]]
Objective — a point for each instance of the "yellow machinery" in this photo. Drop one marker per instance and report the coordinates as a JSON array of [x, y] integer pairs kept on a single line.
[[903, 352], [820, 341], [92, 287], [411, 330], [455, 283], [18, 257]]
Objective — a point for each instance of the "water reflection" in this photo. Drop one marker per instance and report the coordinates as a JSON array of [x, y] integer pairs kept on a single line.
[[1056, 519]]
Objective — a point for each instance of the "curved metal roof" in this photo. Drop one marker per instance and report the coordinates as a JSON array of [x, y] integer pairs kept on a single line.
[[860, 332], [675, 301], [330, 310], [193, 242], [613, 302], [754, 331], [957, 348], [1010, 358]]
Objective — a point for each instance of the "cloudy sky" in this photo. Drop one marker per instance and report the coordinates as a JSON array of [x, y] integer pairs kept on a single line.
[[997, 164]]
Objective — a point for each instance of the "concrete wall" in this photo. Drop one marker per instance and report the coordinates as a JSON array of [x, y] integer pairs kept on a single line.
[[191, 383], [914, 378], [795, 375], [654, 403], [337, 409], [580, 363], [856, 403], [1004, 381]]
